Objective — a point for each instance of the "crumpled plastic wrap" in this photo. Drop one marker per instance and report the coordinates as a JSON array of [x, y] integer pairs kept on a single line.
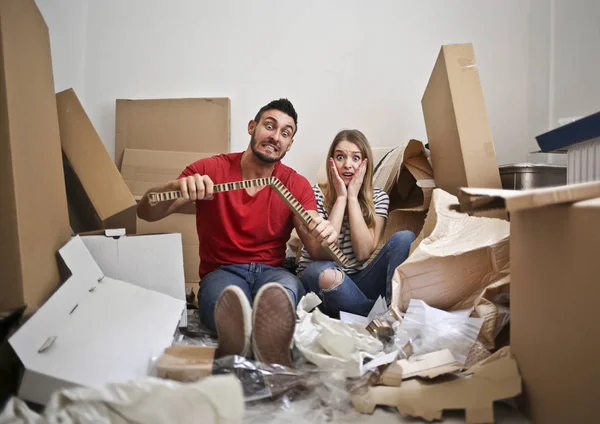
[[429, 329], [332, 344], [214, 400]]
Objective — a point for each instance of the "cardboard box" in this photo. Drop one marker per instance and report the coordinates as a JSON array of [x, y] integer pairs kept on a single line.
[[34, 220], [146, 169], [458, 131], [94, 330], [555, 272], [186, 363], [97, 194], [180, 125], [153, 262]]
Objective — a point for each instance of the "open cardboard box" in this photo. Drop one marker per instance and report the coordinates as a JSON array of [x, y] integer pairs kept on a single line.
[[554, 245], [154, 262], [94, 330], [180, 125]]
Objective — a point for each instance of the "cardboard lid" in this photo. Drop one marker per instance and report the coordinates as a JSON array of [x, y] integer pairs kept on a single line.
[[481, 199]]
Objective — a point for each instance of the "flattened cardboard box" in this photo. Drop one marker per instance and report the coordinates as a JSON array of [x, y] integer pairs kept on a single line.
[[458, 131], [97, 193], [554, 245], [34, 220], [94, 330], [180, 125]]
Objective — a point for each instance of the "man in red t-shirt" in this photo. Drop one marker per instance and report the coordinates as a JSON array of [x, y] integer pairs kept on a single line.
[[243, 235]]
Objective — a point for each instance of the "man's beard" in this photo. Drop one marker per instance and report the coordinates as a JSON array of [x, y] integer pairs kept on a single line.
[[260, 155]]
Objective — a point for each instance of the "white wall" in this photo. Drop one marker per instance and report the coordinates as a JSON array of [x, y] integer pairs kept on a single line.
[[67, 21], [342, 63]]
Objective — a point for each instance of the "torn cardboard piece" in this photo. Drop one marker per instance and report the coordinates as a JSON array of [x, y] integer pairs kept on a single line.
[[94, 330], [474, 390], [492, 305], [480, 199], [153, 262], [429, 365], [34, 220], [458, 130], [454, 258], [180, 125], [97, 202], [185, 362]]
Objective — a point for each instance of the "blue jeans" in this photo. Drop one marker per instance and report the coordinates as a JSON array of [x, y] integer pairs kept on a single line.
[[250, 278], [358, 292]]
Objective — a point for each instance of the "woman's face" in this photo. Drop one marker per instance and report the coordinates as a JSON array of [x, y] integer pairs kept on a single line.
[[347, 158]]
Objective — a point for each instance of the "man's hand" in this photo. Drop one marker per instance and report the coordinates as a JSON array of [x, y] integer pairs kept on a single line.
[[323, 231], [194, 187]]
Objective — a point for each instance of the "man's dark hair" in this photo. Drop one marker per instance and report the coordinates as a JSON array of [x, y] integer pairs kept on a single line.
[[283, 105]]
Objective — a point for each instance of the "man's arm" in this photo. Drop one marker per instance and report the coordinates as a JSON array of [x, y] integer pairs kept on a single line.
[[195, 187]]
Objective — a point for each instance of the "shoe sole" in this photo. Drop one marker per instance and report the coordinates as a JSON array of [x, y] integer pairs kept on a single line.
[[233, 316], [273, 321]]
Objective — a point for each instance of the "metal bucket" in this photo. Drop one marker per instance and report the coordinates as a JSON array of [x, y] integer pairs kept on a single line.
[[522, 176]]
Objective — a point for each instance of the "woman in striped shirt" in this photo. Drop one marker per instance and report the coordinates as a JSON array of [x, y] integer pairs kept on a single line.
[[358, 211]]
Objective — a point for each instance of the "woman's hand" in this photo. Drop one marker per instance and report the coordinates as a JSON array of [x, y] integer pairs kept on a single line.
[[338, 183], [357, 180]]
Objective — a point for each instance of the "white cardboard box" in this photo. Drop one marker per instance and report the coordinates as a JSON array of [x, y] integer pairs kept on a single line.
[[153, 262], [94, 330]]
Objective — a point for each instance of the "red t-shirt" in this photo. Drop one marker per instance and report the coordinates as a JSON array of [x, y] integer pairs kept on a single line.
[[236, 228]]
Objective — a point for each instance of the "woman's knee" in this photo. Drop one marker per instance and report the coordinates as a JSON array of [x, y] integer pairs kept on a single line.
[[402, 239], [330, 278]]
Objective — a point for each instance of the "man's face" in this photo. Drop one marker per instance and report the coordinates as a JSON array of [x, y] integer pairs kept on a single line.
[[272, 137]]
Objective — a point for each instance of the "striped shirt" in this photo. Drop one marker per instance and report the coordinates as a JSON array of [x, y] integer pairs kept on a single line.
[[382, 203]]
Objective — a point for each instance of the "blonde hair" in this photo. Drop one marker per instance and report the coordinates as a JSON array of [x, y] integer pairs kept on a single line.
[[365, 195]]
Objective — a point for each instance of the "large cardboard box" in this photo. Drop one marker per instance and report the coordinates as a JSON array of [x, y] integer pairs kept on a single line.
[[555, 271], [34, 221], [458, 131], [94, 330], [98, 196], [144, 169], [180, 125]]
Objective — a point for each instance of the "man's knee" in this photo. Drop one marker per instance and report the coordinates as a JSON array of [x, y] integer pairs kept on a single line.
[[330, 278]]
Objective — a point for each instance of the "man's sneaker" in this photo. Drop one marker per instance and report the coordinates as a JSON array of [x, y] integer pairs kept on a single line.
[[233, 316], [273, 321]]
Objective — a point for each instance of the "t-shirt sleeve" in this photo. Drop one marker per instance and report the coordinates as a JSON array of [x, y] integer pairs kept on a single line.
[[320, 201], [201, 167], [382, 202], [306, 195]]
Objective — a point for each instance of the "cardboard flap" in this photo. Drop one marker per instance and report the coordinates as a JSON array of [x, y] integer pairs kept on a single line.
[[480, 199], [93, 330], [145, 169]]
